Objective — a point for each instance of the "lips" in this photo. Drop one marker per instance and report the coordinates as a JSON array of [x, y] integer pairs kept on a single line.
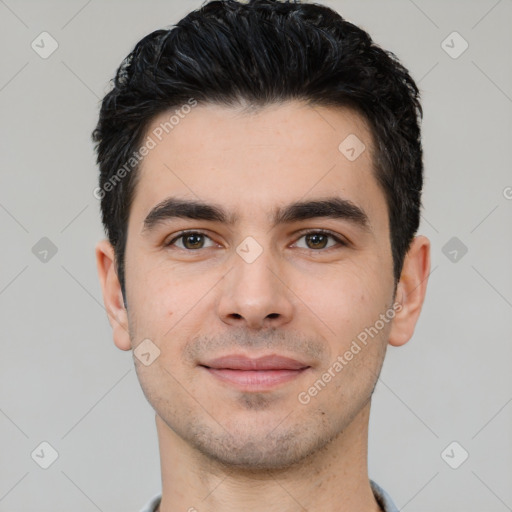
[[259, 374], [270, 362]]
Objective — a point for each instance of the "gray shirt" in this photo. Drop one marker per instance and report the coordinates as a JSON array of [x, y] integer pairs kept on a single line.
[[382, 497]]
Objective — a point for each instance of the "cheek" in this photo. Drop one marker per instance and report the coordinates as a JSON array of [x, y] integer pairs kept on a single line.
[[153, 300], [346, 299], [171, 307]]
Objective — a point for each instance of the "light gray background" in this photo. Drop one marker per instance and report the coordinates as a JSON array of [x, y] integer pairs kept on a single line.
[[63, 381]]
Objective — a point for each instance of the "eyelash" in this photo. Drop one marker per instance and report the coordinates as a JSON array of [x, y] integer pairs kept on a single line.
[[325, 232]]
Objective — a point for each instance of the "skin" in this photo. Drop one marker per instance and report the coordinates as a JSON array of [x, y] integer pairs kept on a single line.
[[222, 448]]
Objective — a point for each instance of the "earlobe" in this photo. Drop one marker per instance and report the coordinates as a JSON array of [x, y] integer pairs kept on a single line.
[[411, 290], [112, 294]]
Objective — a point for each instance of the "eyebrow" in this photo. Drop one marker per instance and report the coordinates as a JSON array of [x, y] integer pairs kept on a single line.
[[331, 207]]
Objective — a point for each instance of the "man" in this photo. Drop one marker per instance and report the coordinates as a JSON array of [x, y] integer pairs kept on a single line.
[[260, 185]]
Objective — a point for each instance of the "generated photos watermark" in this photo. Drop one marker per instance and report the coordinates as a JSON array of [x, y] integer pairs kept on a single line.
[[151, 142], [341, 361]]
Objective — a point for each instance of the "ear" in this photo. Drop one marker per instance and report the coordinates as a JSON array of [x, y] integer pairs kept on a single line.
[[411, 290], [112, 294]]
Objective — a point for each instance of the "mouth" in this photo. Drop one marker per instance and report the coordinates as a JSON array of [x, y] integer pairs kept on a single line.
[[263, 373]]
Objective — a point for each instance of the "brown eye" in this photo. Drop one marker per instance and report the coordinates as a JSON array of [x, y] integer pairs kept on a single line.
[[318, 240], [190, 241], [194, 241]]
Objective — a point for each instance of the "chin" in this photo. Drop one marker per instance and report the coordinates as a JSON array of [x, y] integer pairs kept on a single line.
[[259, 451]]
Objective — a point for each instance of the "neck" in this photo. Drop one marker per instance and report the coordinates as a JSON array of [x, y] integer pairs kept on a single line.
[[333, 479]]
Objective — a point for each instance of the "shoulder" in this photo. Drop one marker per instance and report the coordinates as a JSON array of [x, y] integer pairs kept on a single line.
[[383, 498], [152, 504]]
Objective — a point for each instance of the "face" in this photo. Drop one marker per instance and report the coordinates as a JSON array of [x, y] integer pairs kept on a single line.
[[288, 255]]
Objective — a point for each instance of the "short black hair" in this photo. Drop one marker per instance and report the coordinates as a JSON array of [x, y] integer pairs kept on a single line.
[[260, 53]]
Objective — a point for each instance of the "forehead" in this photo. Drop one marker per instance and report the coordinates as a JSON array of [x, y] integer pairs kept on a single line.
[[253, 161]]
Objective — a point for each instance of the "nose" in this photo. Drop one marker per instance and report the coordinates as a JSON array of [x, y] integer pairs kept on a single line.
[[255, 295]]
